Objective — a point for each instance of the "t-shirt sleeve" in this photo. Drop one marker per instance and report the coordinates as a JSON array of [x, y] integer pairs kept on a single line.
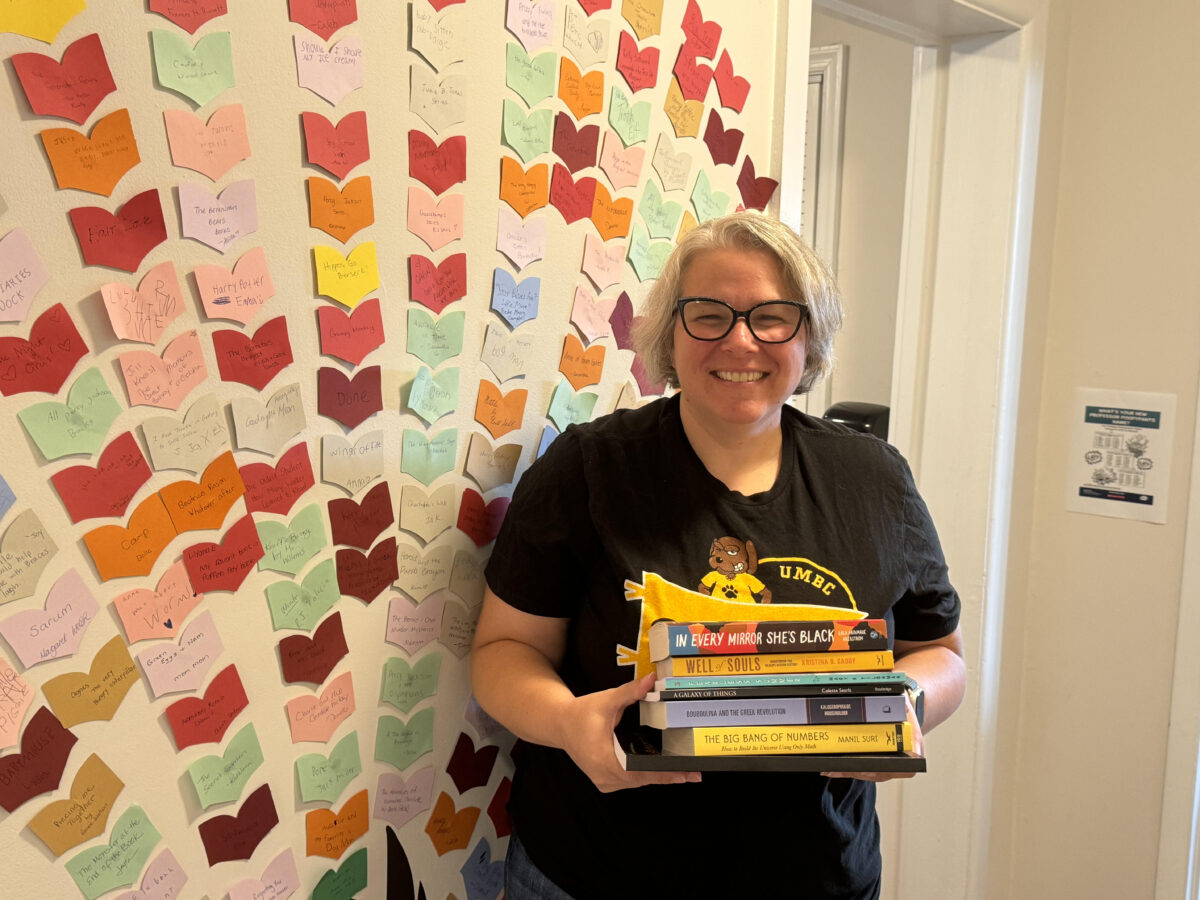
[[930, 607], [547, 535]]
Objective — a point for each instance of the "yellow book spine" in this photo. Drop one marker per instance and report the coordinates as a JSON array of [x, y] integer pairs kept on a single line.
[[888, 737], [776, 663]]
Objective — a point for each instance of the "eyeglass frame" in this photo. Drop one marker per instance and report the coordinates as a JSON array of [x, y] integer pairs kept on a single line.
[[741, 314]]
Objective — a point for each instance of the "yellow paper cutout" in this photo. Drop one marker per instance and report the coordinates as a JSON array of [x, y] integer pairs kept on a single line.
[[347, 279], [84, 815], [685, 115], [41, 20], [90, 696]]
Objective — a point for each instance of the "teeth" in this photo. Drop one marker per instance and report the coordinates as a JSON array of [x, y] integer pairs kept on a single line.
[[741, 376]]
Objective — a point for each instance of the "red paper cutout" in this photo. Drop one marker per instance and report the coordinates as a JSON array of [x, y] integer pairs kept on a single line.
[[38, 768], [437, 286], [323, 17], [202, 505], [118, 550], [336, 149], [577, 149], [756, 192], [224, 566], [306, 660], [46, 360], [350, 401], [204, 720], [351, 335], [703, 36], [593, 6], [574, 199], [732, 88], [437, 166], [693, 77], [253, 361], [723, 144], [121, 240], [621, 322], [275, 489], [359, 524], [639, 68], [365, 575], [439, 5], [468, 767], [188, 14], [71, 89], [498, 809], [228, 838], [106, 489], [479, 521], [647, 387]]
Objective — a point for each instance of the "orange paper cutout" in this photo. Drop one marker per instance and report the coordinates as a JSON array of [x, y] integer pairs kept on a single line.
[[583, 94], [611, 216], [499, 413], [524, 189], [197, 506], [340, 213], [64, 824], [329, 833], [450, 828], [119, 550], [93, 163], [95, 694], [581, 367]]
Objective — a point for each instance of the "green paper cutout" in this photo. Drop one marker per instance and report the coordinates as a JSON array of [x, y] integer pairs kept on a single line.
[[709, 204], [344, 882], [631, 121], [324, 778], [77, 426], [287, 546], [199, 73], [405, 686], [221, 778], [647, 257], [533, 78], [401, 745], [568, 407], [433, 396], [302, 606], [529, 135], [118, 863], [661, 216], [425, 459], [434, 339]]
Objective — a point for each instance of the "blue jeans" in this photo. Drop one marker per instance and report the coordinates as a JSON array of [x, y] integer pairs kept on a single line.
[[525, 881]]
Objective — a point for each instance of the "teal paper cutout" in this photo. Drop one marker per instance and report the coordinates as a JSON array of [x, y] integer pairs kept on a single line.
[[529, 135], [709, 204], [661, 217], [401, 745], [433, 396], [118, 863], [220, 779], [302, 606], [647, 257], [77, 426], [405, 686], [287, 546], [325, 777], [631, 121], [435, 339], [198, 73], [570, 408], [426, 459], [532, 78], [346, 881]]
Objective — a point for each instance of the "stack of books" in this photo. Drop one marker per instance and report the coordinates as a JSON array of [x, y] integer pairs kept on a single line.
[[801, 695]]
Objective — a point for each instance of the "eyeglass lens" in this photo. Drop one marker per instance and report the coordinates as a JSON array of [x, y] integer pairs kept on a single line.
[[775, 321]]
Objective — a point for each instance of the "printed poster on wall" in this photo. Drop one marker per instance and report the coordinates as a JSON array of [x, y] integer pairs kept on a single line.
[[1120, 454]]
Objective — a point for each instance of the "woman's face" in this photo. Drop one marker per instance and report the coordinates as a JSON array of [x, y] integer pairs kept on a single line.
[[736, 381]]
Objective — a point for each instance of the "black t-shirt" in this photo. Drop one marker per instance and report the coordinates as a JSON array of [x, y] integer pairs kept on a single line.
[[618, 524]]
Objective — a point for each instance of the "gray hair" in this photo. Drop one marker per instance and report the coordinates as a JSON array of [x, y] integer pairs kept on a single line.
[[806, 276]]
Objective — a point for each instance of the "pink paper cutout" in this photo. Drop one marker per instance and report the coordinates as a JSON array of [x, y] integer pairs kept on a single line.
[[120, 240], [437, 223], [221, 220], [316, 718], [590, 314], [601, 263], [22, 276], [182, 666], [57, 629], [331, 72], [622, 165], [71, 89], [159, 612], [143, 313], [164, 381], [211, 148], [236, 294], [522, 240], [15, 697], [398, 800], [413, 626]]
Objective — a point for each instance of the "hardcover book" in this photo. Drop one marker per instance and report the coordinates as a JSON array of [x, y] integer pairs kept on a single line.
[[774, 663], [815, 636], [751, 741], [772, 711]]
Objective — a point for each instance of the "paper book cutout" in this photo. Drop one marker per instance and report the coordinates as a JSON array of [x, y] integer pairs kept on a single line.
[[450, 828], [523, 241], [83, 815], [235, 294], [643, 16], [583, 93], [723, 144], [98, 870], [340, 212], [253, 360], [570, 408], [610, 215], [103, 490], [439, 5], [224, 566], [188, 14], [591, 7], [427, 514], [575, 147], [359, 523], [94, 162], [645, 385], [485, 726], [322, 17], [280, 879], [437, 166], [439, 37], [300, 606], [586, 39], [330, 834], [515, 302], [412, 626], [573, 199], [622, 165], [337, 149], [478, 520], [432, 396], [660, 216], [41, 20], [96, 694], [401, 744], [470, 767], [673, 167], [164, 879], [756, 192], [458, 627], [305, 660], [524, 189], [347, 279], [703, 36], [317, 717], [732, 88], [44, 361], [143, 313], [427, 458], [211, 147], [77, 426], [276, 488], [351, 335], [602, 263], [323, 777], [349, 401], [38, 767], [421, 574], [531, 22], [203, 505], [70, 89], [498, 809], [497, 411], [639, 67], [22, 276], [366, 576], [491, 467], [579, 366], [199, 72], [230, 837], [692, 76], [440, 104], [352, 465], [507, 354], [435, 339], [205, 719], [331, 71], [531, 77], [158, 612], [404, 685], [266, 427], [189, 443], [346, 881], [16, 695], [164, 381], [707, 203], [288, 546], [120, 240], [466, 578], [25, 550], [483, 876], [52, 631], [7, 497], [621, 322], [590, 313], [528, 135], [647, 257], [399, 800], [218, 220], [183, 666], [436, 222], [436, 286], [684, 114]]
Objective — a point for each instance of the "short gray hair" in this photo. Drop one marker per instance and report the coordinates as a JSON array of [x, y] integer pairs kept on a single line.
[[807, 277]]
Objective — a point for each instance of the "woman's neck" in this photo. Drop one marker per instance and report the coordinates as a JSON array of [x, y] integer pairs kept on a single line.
[[745, 459]]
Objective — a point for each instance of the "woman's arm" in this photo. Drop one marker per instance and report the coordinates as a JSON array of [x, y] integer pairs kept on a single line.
[[514, 676]]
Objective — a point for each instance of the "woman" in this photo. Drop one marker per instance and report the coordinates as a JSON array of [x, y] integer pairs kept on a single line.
[[742, 316]]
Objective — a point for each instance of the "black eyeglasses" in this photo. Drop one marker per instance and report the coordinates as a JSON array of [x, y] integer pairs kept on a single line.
[[772, 322]]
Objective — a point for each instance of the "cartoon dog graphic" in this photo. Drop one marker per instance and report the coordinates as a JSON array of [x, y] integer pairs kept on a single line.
[[732, 577]]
